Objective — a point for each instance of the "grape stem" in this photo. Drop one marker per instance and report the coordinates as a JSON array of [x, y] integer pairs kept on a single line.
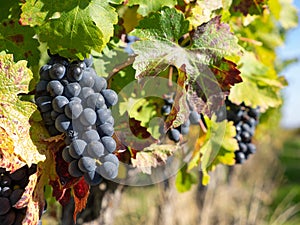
[[121, 66], [202, 126], [170, 84]]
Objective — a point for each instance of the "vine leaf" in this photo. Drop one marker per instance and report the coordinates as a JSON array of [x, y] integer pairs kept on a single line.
[[73, 27], [252, 7], [215, 147], [214, 40], [226, 73], [19, 40], [146, 7], [185, 180], [81, 193], [203, 11], [152, 156], [158, 46], [259, 80], [15, 114]]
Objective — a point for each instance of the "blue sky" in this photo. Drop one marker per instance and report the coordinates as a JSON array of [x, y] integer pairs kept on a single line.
[[291, 49]]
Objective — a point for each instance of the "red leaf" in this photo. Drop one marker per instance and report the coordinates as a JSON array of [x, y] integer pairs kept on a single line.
[[226, 74], [81, 194]]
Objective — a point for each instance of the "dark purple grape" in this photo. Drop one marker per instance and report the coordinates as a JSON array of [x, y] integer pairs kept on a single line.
[[16, 196], [74, 73], [55, 88], [74, 169], [110, 96], [9, 218], [109, 144], [4, 206], [93, 178], [174, 135], [72, 90], [57, 71]]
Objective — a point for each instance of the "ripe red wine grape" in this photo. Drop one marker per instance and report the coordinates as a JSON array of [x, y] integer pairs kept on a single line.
[[245, 120], [108, 170], [87, 164], [12, 187], [95, 149], [75, 101], [57, 71]]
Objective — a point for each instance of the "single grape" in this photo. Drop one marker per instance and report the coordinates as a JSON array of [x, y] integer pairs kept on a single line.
[[174, 135], [111, 120], [254, 112], [95, 101], [4, 206], [165, 110], [73, 109], [100, 84], [90, 135], [88, 117], [194, 117], [103, 115], [77, 148], [251, 149], [110, 96], [75, 99], [87, 79], [57, 71], [88, 61], [72, 90], [110, 158], [109, 144], [5, 180], [107, 170], [15, 196], [105, 129], [242, 147], [85, 92], [184, 130], [239, 157], [55, 88], [19, 174], [66, 155], [44, 72], [95, 149], [74, 73], [246, 137], [44, 103], [87, 164], [9, 218], [62, 123], [81, 64], [41, 86], [6, 192], [59, 103], [93, 178], [74, 170]]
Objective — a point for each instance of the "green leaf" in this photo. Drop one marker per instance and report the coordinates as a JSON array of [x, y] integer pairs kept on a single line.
[[16, 114], [146, 6], [260, 86], [19, 40], [185, 180], [214, 40], [73, 27], [217, 146]]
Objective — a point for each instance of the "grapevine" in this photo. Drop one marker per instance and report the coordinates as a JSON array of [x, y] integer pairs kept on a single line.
[[131, 92]]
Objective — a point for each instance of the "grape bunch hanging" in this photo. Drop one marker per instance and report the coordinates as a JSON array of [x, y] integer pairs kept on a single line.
[[75, 101], [12, 187], [245, 120]]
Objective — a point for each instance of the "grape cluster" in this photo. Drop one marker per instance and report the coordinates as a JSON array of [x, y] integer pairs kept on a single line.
[[245, 120], [175, 133], [75, 101], [12, 187]]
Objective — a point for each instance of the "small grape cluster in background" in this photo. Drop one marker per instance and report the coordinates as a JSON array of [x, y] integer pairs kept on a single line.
[[12, 187], [75, 101], [245, 120]]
